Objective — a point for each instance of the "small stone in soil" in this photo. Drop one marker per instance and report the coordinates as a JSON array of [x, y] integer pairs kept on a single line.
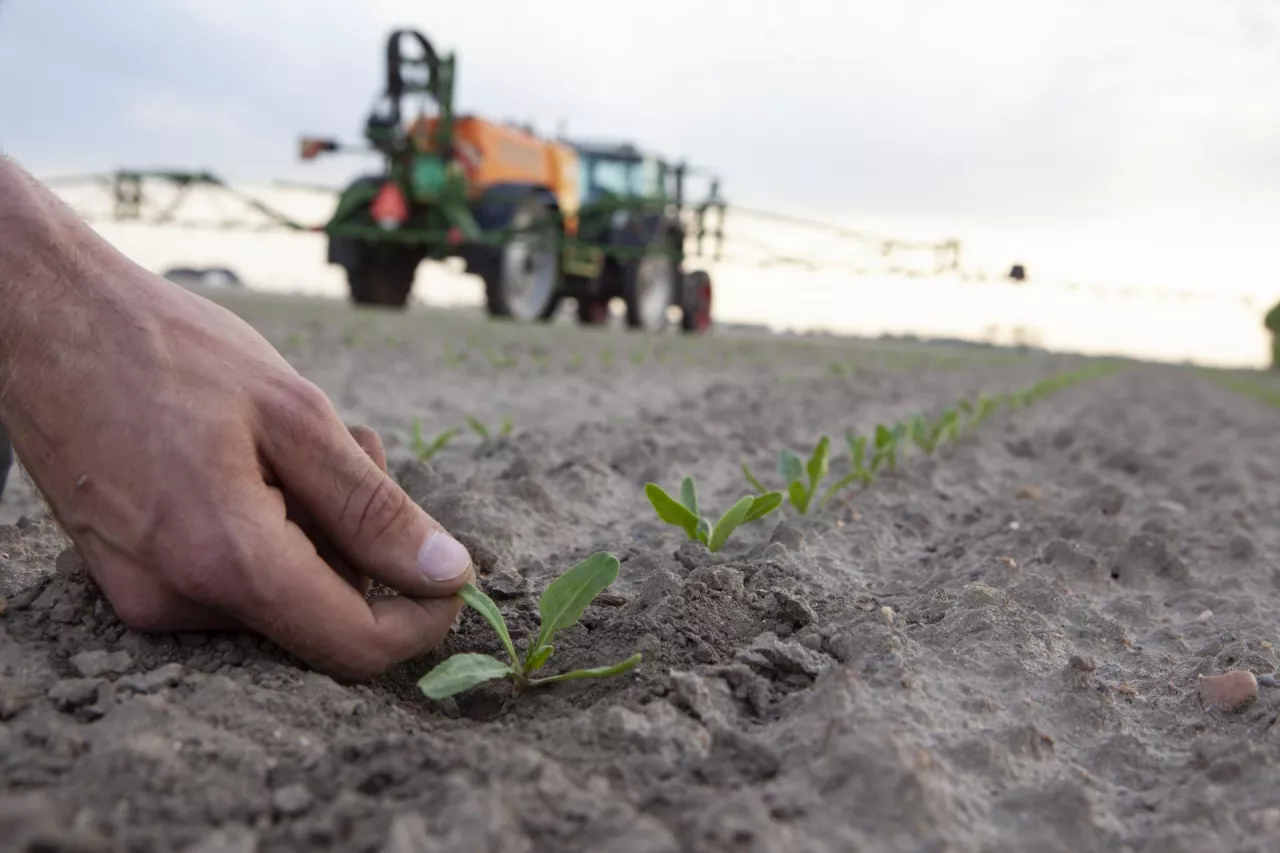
[[1230, 691]]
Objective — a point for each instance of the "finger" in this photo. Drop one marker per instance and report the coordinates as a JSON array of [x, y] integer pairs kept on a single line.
[[360, 508], [309, 611], [371, 443]]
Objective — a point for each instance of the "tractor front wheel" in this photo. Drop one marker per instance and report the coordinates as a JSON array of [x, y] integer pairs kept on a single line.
[[522, 277], [383, 276], [695, 303]]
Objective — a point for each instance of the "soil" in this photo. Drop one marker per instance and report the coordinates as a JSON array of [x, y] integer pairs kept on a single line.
[[994, 649]]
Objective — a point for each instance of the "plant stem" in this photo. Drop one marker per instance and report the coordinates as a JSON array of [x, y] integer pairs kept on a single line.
[[598, 672]]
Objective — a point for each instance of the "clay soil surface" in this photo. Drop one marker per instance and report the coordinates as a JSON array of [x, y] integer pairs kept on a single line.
[[995, 649]]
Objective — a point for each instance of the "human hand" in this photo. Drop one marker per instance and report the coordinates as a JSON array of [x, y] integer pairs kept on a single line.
[[204, 481]]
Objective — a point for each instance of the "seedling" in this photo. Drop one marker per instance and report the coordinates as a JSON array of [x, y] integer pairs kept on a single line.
[[794, 470], [483, 431], [424, 449], [561, 605], [887, 440], [684, 513], [859, 472], [927, 435]]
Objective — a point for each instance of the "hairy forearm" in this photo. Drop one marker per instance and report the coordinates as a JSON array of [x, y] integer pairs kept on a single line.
[[56, 274]]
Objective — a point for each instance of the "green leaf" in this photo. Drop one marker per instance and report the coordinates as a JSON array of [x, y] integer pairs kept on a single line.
[[477, 427], [596, 672], [884, 436], [536, 662], [671, 511], [689, 495], [762, 505], [704, 531], [751, 478], [843, 483], [461, 672], [818, 464], [799, 496], [483, 604], [857, 449], [733, 517], [507, 426], [563, 602], [790, 466], [437, 444]]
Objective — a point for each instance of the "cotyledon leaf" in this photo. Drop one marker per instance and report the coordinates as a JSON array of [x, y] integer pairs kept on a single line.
[[790, 466], [460, 673], [563, 602], [483, 604], [689, 495], [670, 510], [762, 505], [729, 522]]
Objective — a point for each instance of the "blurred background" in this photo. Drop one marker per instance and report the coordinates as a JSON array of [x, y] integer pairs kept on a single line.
[[886, 164]]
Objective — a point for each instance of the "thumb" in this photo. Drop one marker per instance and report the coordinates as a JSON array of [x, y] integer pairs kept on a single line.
[[360, 509]]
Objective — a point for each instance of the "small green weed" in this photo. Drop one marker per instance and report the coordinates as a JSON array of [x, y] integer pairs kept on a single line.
[[561, 605], [483, 431], [684, 513]]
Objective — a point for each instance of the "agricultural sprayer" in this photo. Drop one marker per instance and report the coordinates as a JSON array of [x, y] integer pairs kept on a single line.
[[537, 219]]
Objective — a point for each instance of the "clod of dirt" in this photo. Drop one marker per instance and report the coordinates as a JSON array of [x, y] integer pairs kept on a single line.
[[71, 693], [99, 663], [1241, 547], [228, 839], [168, 675], [1230, 691], [1146, 557], [291, 800], [1070, 556], [772, 656], [507, 583]]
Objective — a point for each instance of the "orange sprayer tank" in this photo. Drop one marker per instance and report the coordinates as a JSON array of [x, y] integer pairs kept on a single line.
[[492, 153]]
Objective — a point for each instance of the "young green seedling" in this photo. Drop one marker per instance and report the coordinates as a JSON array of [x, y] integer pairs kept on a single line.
[[684, 513], [561, 605], [926, 435], [424, 449], [859, 472], [887, 441], [794, 470]]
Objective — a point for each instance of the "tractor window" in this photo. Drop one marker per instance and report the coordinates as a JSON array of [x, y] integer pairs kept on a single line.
[[610, 176]]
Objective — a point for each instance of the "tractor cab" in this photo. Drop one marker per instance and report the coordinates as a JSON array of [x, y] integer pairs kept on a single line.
[[622, 172]]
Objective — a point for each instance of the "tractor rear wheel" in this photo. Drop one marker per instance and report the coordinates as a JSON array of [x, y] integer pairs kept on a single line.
[[695, 303], [383, 276], [522, 279], [649, 288]]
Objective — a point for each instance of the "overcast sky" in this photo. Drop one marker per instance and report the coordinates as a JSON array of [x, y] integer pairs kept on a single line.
[[995, 112]]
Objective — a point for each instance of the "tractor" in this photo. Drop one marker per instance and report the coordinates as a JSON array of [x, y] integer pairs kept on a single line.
[[538, 220]]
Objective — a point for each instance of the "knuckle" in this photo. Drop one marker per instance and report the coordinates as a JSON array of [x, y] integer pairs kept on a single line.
[[302, 409], [376, 507]]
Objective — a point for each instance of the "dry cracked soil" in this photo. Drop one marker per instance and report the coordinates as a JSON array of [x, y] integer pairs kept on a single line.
[[996, 648]]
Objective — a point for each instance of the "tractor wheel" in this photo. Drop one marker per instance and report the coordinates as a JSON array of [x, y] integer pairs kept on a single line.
[[593, 312], [695, 305], [6, 458], [522, 280], [649, 288], [383, 276]]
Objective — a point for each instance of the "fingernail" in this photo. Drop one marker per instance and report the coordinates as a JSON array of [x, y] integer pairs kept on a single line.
[[442, 558]]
